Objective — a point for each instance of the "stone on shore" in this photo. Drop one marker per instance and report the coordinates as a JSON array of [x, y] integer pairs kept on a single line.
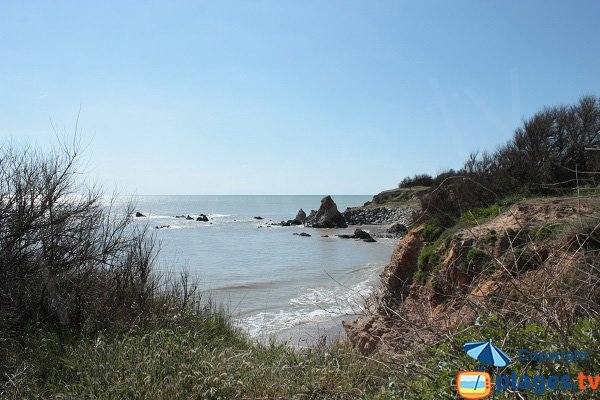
[[397, 229], [360, 234]]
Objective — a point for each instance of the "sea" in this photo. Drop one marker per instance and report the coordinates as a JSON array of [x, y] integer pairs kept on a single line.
[[276, 285]]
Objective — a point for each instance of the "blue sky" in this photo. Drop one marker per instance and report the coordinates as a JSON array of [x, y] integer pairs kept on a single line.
[[286, 97]]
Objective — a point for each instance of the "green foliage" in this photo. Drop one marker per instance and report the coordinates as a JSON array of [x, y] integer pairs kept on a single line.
[[417, 180], [473, 260], [546, 232], [201, 363], [540, 160], [431, 233], [428, 260], [477, 216], [428, 257], [407, 197], [420, 276]]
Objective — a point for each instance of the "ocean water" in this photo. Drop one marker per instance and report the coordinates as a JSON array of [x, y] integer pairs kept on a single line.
[[272, 282]]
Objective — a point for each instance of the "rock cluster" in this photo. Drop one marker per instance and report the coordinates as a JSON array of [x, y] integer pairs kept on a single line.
[[302, 234], [299, 220], [202, 217], [380, 215]]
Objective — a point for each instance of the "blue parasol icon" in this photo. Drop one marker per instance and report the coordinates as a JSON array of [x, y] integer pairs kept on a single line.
[[487, 353]]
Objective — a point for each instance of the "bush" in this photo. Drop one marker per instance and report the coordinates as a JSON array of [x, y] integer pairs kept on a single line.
[[431, 232], [417, 180], [541, 159], [67, 259]]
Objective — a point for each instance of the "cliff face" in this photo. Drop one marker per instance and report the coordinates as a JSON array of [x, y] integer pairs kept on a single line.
[[509, 264]]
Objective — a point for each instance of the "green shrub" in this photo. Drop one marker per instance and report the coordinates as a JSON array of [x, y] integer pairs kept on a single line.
[[429, 260], [478, 215], [473, 260], [431, 232], [545, 232]]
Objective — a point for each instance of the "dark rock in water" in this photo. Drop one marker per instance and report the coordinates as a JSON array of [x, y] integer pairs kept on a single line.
[[324, 235], [162, 227], [139, 214], [300, 217], [397, 229], [360, 234], [202, 217], [310, 219], [328, 216], [284, 223], [302, 234], [189, 218], [259, 218], [180, 216]]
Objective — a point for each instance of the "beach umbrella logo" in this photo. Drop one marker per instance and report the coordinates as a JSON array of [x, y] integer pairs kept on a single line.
[[487, 353]]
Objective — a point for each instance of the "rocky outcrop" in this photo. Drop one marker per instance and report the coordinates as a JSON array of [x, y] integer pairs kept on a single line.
[[202, 217], [327, 216], [359, 234], [380, 215], [139, 214], [397, 275], [302, 234], [300, 217], [366, 332]]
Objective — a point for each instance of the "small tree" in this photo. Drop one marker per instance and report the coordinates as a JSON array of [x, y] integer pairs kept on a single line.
[[66, 256]]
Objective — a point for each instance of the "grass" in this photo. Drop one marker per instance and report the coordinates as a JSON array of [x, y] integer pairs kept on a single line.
[[214, 361], [211, 360]]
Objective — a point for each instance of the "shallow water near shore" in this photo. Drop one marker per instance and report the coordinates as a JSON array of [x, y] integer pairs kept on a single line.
[[273, 282]]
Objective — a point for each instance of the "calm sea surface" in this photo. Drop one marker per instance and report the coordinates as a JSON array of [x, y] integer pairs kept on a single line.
[[273, 282]]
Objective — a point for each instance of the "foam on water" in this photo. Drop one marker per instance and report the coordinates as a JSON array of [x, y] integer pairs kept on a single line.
[[319, 304]]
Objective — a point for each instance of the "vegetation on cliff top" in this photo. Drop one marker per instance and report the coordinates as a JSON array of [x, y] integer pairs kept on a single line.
[[550, 154]]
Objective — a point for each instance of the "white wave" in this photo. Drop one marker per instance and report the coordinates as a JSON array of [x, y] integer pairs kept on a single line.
[[315, 305], [267, 323]]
